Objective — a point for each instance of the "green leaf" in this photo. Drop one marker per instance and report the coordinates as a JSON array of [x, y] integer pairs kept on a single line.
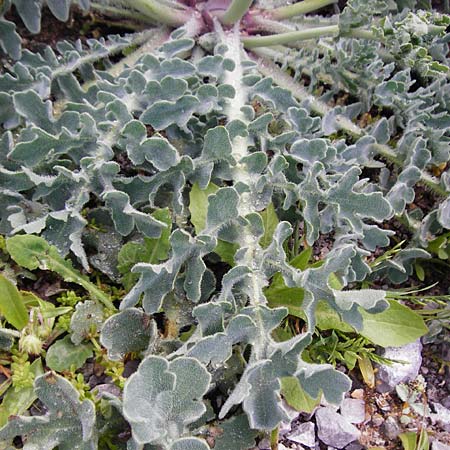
[[190, 443], [34, 252], [164, 113], [64, 355], [7, 337], [396, 326], [328, 319], [409, 440], [226, 251], [10, 41], [16, 402], [222, 209], [12, 306], [366, 368], [152, 251], [302, 260], [296, 397], [278, 294], [270, 221], [420, 272], [198, 207]]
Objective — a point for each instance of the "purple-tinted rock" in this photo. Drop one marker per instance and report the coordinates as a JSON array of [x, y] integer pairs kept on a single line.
[[334, 430], [354, 410], [108, 388], [439, 446], [304, 434], [390, 375]]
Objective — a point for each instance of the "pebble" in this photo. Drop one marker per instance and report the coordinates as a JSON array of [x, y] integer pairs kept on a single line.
[[390, 375], [282, 447], [334, 429], [446, 401], [377, 420], [354, 446], [358, 393], [383, 403], [304, 434], [354, 410], [439, 446], [391, 428], [108, 388], [441, 416], [284, 428]]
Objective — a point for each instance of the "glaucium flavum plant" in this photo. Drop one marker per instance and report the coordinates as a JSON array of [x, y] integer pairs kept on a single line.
[[194, 142]]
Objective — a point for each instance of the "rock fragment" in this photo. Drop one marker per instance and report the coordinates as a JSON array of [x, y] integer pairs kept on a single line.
[[391, 375], [391, 428], [439, 446], [304, 434], [334, 430], [353, 410]]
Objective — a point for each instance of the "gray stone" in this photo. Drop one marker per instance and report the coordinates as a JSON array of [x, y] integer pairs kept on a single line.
[[446, 401], [107, 388], [264, 444], [377, 420], [284, 429], [304, 434], [441, 416], [391, 428], [354, 410], [282, 447], [334, 430], [439, 446], [391, 375], [354, 447]]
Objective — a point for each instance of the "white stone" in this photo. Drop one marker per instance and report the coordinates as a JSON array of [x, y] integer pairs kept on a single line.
[[304, 434], [334, 430], [441, 416], [282, 447], [439, 446], [390, 375], [353, 410], [264, 444]]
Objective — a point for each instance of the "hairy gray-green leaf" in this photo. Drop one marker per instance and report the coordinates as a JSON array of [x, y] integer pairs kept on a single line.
[[68, 424], [86, 320], [175, 391], [128, 331]]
